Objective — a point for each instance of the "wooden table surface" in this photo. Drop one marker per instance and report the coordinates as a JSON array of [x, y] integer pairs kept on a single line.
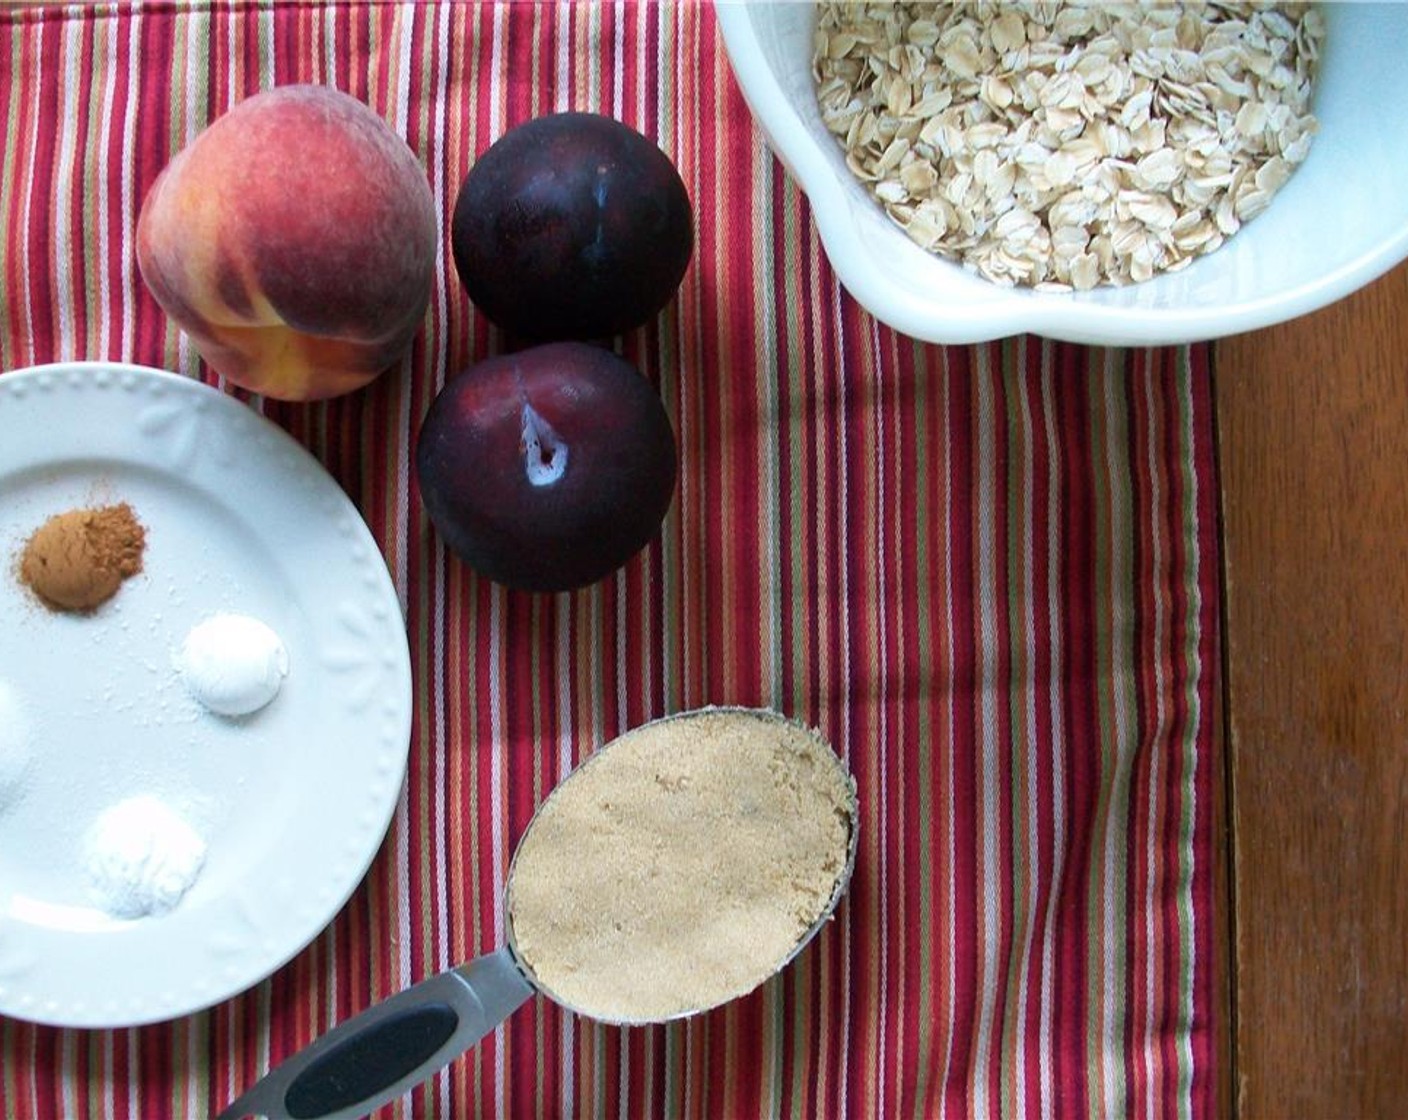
[[1313, 453]]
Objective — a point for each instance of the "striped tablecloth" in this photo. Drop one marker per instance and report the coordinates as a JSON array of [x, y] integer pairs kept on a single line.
[[988, 574]]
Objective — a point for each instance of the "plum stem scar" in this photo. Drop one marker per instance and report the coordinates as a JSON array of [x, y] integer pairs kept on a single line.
[[544, 452]]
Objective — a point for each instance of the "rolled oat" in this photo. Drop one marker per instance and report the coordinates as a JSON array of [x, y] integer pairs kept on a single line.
[[1067, 145]]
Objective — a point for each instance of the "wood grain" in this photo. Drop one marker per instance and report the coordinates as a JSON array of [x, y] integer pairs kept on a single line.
[[1313, 447], [1223, 970]]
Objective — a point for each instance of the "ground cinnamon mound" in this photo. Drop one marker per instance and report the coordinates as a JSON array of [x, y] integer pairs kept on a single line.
[[77, 560], [681, 865]]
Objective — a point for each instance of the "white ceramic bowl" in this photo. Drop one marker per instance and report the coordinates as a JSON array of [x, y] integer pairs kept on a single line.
[[1341, 221]]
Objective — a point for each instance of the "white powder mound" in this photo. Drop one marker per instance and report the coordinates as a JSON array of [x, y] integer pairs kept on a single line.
[[141, 857], [16, 752], [233, 664]]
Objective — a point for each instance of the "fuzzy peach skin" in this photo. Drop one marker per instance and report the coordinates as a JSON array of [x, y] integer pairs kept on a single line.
[[294, 241]]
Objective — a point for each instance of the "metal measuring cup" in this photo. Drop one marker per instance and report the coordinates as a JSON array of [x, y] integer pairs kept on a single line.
[[396, 1044]]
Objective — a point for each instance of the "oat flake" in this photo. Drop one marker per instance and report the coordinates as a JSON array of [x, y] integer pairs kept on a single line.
[[1069, 145]]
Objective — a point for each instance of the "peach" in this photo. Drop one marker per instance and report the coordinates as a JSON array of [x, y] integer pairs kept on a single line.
[[294, 241]]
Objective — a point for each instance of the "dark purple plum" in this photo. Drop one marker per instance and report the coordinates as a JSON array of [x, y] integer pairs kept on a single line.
[[572, 225], [548, 468]]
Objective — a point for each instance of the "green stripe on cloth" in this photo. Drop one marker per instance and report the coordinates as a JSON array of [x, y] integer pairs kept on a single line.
[[988, 574]]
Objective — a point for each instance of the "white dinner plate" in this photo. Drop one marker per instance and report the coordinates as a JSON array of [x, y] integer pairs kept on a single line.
[[293, 801]]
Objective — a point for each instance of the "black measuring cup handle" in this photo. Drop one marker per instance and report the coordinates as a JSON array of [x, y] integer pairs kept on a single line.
[[391, 1047]]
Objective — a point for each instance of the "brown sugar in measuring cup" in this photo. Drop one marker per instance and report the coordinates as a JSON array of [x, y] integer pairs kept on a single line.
[[680, 866], [741, 808]]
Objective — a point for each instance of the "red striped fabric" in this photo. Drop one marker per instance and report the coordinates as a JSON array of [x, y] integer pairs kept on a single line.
[[989, 574]]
